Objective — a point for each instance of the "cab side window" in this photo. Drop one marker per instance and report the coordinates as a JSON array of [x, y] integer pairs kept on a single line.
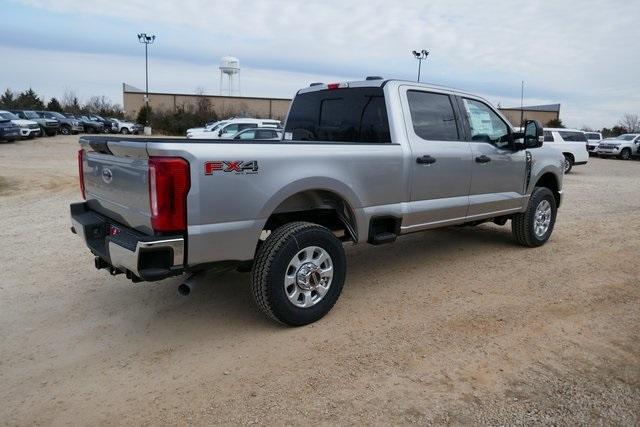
[[486, 125], [432, 116]]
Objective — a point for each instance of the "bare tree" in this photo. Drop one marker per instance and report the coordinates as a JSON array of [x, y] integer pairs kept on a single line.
[[631, 122], [69, 102], [203, 103]]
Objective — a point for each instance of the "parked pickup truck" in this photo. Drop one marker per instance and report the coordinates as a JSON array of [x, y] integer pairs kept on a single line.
[[359, 162]]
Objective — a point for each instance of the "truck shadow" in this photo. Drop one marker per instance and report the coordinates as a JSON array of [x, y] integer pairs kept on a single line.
[[222, 302]]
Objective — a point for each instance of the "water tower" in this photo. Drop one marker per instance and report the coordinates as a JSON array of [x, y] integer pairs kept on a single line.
[[230, 66]]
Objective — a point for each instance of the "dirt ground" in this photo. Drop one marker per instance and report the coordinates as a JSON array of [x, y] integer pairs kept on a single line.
[[453, 326]]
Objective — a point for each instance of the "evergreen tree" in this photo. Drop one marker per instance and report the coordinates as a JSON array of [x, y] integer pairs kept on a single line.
[[54, 105], [29, 100], [7, 100], [555, 123]]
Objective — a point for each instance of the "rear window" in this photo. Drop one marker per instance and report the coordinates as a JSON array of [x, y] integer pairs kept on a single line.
[[572, 136], [593, 136], [340, 115]]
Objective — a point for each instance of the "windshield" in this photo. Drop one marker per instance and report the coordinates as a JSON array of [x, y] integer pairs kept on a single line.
[[218, 125], [31, 115], [626, 137], [9, 116], [56, 115]]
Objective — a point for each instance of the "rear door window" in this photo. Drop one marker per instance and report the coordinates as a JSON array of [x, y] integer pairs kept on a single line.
[[432, 116], [572, 136], [339, 115]]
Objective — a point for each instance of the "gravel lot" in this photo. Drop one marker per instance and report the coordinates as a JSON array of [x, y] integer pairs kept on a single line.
[[458, 326]]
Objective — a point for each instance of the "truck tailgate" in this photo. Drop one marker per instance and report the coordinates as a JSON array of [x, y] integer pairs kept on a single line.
[[116, 175]]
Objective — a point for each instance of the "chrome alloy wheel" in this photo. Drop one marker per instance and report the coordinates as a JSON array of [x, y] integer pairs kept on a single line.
[[308, 276], [542, 218]]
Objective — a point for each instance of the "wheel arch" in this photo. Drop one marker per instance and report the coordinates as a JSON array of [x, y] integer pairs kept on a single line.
[[324, 201], [550, 180]]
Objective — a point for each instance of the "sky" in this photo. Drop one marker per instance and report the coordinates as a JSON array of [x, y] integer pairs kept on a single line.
[[584, 54]]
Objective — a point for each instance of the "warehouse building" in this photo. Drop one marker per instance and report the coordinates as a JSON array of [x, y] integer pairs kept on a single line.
[[223, 106], [541, 113]]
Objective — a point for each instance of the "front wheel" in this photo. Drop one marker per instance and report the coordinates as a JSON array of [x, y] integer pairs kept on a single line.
[[534, 226], [124, 131], [625, 154], [65, 130], [298, 273]]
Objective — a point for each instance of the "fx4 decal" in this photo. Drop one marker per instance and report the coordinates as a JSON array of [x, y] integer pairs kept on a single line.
[[235, 166]]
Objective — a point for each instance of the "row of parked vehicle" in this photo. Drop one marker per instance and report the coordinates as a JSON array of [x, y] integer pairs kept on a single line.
[[624, 146], [239, 128], [27, 124]]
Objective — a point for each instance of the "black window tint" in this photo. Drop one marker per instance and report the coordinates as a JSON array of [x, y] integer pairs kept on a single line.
[[432, 116], [593, 136], [548, 136], [340, 115], [265, 134], [572, 136]]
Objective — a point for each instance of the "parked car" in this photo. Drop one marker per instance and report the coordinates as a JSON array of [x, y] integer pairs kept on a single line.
[[571, 142], [624, 146], [233, 126], [593, 139], [91, 126], [68, 126], [8, 131], [126, 127], [28, 128], [109, 125], [384, 159], [259, 133], [48, 127], [208, 127]]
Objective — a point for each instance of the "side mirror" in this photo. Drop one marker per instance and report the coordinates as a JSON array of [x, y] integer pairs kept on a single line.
[[220, 132], [533, 134]]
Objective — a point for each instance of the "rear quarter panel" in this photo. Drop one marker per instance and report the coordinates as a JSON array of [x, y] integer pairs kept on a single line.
[[227, 210]]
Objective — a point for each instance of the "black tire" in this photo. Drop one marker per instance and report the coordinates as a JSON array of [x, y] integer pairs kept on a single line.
[[523, 224], [625, 154], [65, 130], [272, 260], [568, 163], [124, 131]]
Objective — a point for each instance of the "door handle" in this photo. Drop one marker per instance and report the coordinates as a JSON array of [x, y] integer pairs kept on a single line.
[[425, 160], [483, 159]]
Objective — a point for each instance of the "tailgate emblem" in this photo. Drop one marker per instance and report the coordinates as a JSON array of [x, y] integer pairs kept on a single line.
[[107, 175]]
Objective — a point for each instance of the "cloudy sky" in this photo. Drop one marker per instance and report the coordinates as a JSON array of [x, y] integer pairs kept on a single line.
[[582, 54]]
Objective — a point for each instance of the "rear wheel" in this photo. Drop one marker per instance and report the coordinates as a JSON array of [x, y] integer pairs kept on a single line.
[[625, 154], [534, 226], [568, 163], [65, 130], [298, 273]]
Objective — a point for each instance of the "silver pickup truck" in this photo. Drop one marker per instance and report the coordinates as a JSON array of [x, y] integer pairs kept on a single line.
[[363, 161]]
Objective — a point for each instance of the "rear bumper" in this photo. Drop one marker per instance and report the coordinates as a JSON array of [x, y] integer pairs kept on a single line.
[[124, 250]]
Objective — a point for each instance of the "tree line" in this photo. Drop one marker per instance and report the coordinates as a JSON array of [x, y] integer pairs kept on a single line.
[[69, 103]]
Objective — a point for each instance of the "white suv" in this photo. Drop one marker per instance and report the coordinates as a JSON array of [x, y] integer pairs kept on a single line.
[[624, 146], [571, 142], [593, 139], [233, 126]]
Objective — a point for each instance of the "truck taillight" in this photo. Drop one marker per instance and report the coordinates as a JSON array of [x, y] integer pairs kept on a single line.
[[81, 172], [169, 184]]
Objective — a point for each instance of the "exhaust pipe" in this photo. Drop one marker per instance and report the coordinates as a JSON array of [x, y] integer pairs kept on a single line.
[[188, 285]]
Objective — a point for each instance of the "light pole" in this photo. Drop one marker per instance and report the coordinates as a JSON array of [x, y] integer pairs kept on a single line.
[[147, 40], [420, 56]]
